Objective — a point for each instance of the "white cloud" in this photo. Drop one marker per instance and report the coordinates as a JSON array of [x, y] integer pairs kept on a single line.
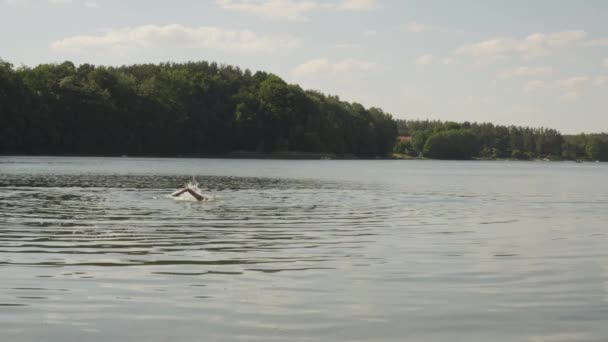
[[314, 66], [350, 65], [30, 2], [418, 27], [347, 45], [413, 94], [534, 85], [91, 4], [428, 60], [572, 87], [17, 2], [273, 9], [561, 38], [292, 10], [175, 35], [370, 33], [570, 96], [27, 3], [531, 46], [324, 66], [425, 60], [573, 83], [472, 100], [560, 337], [525, 72], [596, 43], [601, 80], [357, 5], [448, 61]]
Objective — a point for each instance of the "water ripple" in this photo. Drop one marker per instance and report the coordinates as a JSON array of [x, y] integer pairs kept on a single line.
[[96, 250]]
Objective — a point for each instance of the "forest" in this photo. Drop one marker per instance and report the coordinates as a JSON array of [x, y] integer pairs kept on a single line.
[[189, 109], [452, 140], [204, 109]]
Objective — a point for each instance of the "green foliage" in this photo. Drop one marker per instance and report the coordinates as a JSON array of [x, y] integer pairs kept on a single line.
[[495, 141], [585, 146], [517, 154], [452, 144], [597, 149], [177, 109], [489, 153], [200, 108], [404, 147]]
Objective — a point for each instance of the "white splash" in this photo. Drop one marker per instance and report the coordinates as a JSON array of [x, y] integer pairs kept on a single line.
[[186, 196]]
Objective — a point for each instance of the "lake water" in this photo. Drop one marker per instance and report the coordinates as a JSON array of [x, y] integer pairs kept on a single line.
[[94, 249]]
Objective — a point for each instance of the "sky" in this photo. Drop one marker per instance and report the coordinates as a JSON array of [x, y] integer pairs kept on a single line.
[[532, 63]]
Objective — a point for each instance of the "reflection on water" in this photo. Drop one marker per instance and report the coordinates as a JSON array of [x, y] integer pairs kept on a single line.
[[93, 249]]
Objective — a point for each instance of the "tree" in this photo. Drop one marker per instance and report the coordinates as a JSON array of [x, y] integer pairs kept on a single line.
[[597, 149], [404, 147], [173, 109], [452, 144], [517, 154], [496, 141]]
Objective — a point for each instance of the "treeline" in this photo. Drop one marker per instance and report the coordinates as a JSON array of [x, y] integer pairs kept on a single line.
[[452, 140], [201, 108], [196, 108]]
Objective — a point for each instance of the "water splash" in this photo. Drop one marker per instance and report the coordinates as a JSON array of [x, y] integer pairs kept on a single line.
[[186, 196]]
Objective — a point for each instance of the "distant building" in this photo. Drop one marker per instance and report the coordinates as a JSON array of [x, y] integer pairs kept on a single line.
[[405, 138]]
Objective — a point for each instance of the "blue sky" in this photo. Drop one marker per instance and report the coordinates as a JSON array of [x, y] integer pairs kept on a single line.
[[537, 63]]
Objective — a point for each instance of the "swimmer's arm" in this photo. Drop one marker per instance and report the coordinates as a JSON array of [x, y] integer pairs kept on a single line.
[[197, 196], [194, 194], [180, 192]]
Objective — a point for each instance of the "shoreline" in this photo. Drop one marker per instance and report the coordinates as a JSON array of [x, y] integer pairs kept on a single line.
[[229, 155], [289, 156]]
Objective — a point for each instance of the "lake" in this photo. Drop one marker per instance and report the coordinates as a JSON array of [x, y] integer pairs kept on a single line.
[[95, 249]]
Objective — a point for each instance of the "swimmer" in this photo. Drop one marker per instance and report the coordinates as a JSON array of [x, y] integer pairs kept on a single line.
[[194, 194], [191, 188]]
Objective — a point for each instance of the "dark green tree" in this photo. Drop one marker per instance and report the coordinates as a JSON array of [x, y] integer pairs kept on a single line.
[[597, 149], [169, 109], [452, 144]]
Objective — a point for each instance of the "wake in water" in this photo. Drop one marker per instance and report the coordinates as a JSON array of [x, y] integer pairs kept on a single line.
[[190, 192]]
